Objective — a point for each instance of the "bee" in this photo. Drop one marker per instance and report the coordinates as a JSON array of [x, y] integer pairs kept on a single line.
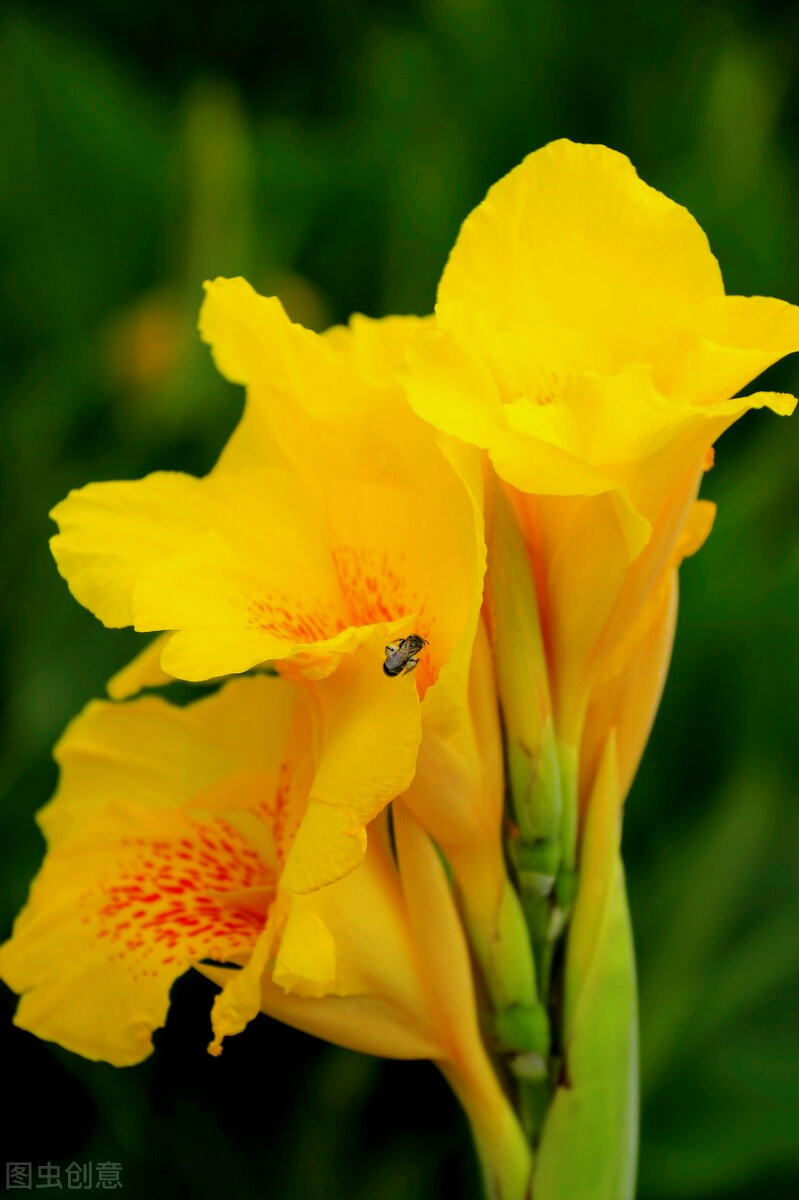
[[401, 656]]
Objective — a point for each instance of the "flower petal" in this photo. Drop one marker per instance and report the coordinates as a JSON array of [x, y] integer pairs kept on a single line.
[[117, 913], [573, 238], [144, 671], [306, 960], [351, 943], [369, 729], [253, 341], [163, 756], [449, 386], [740, 337], [111, 531], [379, 346], [603, 419], [626, 701]]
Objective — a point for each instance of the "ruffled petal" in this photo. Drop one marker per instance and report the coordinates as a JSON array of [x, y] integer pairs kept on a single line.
[[163, 756], [109, 532], [369, 730], [740, 336], [117, 913], [306, 960], [573, 238], [450, 385], [351, 944], [253, 341], [379, 346]]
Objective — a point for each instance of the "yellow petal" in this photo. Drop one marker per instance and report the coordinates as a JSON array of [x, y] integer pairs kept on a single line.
[[449, 385], [369, 729], [367, 1024], [163, 756], [740, 336], [626, 699], [237, 1004], [246, 555], [372, 953], [367, 914], [602, 419], [457, 793], [351, 943], [343, 378], [111, 531], [144, 671], [306, 960], [253, 341], [727, 411], [695, 531], [631, 680], [586, 565], [573, 238], [295, 564], [379, 346], [640, 691], [691, 537], [117, 913]]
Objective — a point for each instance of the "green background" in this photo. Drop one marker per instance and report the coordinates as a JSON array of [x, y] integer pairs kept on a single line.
[[328, 149]]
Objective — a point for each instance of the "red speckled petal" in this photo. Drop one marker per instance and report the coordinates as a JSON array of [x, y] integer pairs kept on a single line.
[[118, 912]]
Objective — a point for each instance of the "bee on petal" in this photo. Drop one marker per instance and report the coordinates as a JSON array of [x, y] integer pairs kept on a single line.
[[401, 656]]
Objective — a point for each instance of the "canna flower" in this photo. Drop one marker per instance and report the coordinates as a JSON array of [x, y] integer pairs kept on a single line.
[[584, 340], [170, 840], [334, 522], [309, 546], [178, 835]]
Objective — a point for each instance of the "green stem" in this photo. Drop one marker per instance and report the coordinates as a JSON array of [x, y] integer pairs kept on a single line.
[[589, 1144]]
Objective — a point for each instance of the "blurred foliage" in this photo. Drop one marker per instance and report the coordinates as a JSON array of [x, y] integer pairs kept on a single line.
[[328, 150]]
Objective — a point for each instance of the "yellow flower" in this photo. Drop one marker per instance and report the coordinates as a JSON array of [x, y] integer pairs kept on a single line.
[[178, 835], [170, 843], [584, 343], [331, 525], [584, 340], [335, 521], [313, 528], [583, 330]]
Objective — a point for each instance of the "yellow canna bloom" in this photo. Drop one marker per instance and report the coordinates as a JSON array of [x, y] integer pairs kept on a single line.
[[170, 844], [334, 522], [584, 342], [583, 329], [583, 339], [177, 835], [312, 529], [312, 545]]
